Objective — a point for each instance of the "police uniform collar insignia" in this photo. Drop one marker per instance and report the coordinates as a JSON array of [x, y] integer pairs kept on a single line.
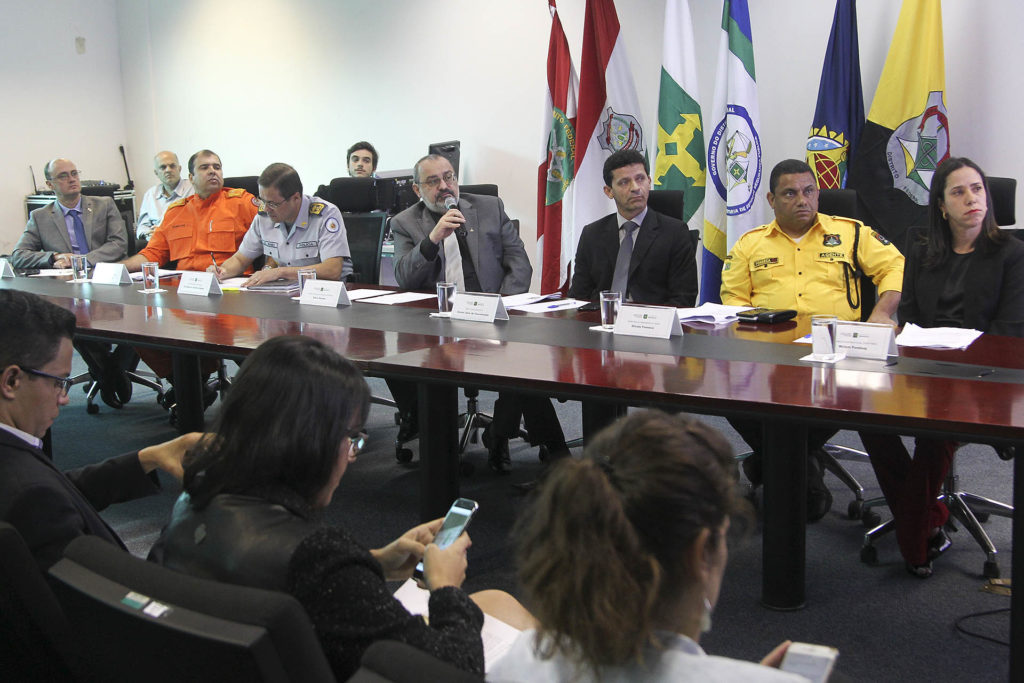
[[832, 240]]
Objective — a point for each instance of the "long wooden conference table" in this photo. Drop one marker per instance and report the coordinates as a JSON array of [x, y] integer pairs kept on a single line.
[[975, 395]]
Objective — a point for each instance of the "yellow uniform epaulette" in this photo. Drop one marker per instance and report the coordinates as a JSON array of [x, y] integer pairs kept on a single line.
[[852, 221], [178, 202], [315, 208], [236, 192]]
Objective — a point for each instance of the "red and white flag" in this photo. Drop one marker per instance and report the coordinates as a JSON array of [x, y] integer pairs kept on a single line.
[[557, 165], [609, 112]]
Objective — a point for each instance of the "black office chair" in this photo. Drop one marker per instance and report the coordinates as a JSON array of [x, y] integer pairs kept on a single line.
[[365, 238], [138, 619], [483, 188], [36, 642], [969, 509], [353, 195], [671, 203], [244, 182]]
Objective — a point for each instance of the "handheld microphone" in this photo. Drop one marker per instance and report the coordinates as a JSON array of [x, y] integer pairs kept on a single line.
[[451, 202]]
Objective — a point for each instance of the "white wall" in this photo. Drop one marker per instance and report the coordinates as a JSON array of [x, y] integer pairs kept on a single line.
[[57, 101], [265, 80]]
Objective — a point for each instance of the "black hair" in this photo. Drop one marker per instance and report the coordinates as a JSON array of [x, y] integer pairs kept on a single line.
[[362, 145], [786, 167], [31, 329], [283, 177], [282, 423], [621, 158]]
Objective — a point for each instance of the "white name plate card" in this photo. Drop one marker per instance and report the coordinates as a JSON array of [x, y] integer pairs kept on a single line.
[[478, 307], [324, 293], [110, 274], [660, 322], [5, 268], [199, 283], [874, 341]]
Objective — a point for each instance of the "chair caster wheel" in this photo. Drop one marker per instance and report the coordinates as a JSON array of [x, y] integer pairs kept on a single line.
[[543, 454], [403, 455], [855, 509], [869, 554], [870, 519], [92, 409], [991, 570], [466, 468]]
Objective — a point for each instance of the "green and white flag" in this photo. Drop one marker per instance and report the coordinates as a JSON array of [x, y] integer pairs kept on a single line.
[[680, 162], [734, 202]]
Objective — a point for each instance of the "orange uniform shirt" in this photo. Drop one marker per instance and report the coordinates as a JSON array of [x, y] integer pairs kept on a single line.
[[193, 229]]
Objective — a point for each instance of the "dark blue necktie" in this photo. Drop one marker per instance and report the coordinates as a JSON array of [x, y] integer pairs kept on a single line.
[[83, 246]]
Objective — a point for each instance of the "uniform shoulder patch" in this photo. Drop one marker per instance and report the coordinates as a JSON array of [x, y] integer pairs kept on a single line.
[[332, 225], [880, 237], [316, 208], [178, 202], [236, 192]]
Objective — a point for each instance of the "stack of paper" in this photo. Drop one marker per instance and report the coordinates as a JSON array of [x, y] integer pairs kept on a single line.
[[937, 337], [279, 286], [716, 314], [497, 635]]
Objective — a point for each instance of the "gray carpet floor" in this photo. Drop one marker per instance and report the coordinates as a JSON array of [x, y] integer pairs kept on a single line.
[[887, 625]]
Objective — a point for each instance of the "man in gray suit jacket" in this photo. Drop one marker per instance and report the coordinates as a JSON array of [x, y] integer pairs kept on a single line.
[[76, 224], [474, 229], [54, 232]]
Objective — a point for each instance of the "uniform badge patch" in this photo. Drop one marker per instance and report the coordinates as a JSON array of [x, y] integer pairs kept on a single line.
[[832, 240], [332, 225], [316, 208], [880, 237], [256, 202], [765, 262]]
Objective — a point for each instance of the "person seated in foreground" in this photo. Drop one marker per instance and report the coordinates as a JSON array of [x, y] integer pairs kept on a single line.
[[50, 508], [253, 495], [621, 555], [963, 271]]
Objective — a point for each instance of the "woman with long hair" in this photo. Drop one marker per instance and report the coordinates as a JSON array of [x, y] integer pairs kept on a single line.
[[621, 556], [963, 271], [288, 430]]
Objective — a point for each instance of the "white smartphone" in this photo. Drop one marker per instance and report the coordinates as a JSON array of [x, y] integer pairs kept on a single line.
[[813, 662], [455, 522]]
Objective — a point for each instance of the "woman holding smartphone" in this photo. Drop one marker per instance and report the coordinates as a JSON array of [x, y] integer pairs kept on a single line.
[[288, 430], [962, 272], [621, 555]]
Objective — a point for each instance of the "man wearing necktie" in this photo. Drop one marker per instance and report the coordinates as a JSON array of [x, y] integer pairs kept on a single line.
[[468, 240], [646, 256], [73, 224], [78, 224]]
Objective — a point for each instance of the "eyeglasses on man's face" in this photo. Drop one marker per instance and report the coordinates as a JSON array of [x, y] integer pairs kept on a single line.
[[62, 383], [66, 175], [434, 181]]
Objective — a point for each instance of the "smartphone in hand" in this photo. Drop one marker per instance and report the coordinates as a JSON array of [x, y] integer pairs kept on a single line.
[[455, 522]]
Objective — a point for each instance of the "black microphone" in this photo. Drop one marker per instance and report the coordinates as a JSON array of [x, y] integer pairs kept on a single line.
[[451, 202], [131, 184]]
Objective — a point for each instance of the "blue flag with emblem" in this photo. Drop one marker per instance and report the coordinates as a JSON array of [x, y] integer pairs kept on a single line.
[[839, 114]]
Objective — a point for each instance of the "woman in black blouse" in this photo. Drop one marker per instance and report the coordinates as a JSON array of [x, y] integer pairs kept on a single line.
[[288, 429], [962, 272]]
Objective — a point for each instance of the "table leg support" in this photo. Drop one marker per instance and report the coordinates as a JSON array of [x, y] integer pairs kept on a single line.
[[439, 448], [597, 415], [1017, 571], [188, 389], [785, 515]]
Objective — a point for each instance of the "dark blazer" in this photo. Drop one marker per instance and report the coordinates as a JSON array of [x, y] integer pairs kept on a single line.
[[662, 271], [494, 245], [993, 296], [46, 234], [50, 508]]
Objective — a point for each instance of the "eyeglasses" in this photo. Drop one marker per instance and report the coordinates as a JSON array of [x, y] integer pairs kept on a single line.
[[273, 205], [66, 175], [357, 442], [62, 383], [434, 181]]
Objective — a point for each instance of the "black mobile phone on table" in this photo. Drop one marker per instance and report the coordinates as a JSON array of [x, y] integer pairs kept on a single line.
[[766, 315], [455, 522]]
